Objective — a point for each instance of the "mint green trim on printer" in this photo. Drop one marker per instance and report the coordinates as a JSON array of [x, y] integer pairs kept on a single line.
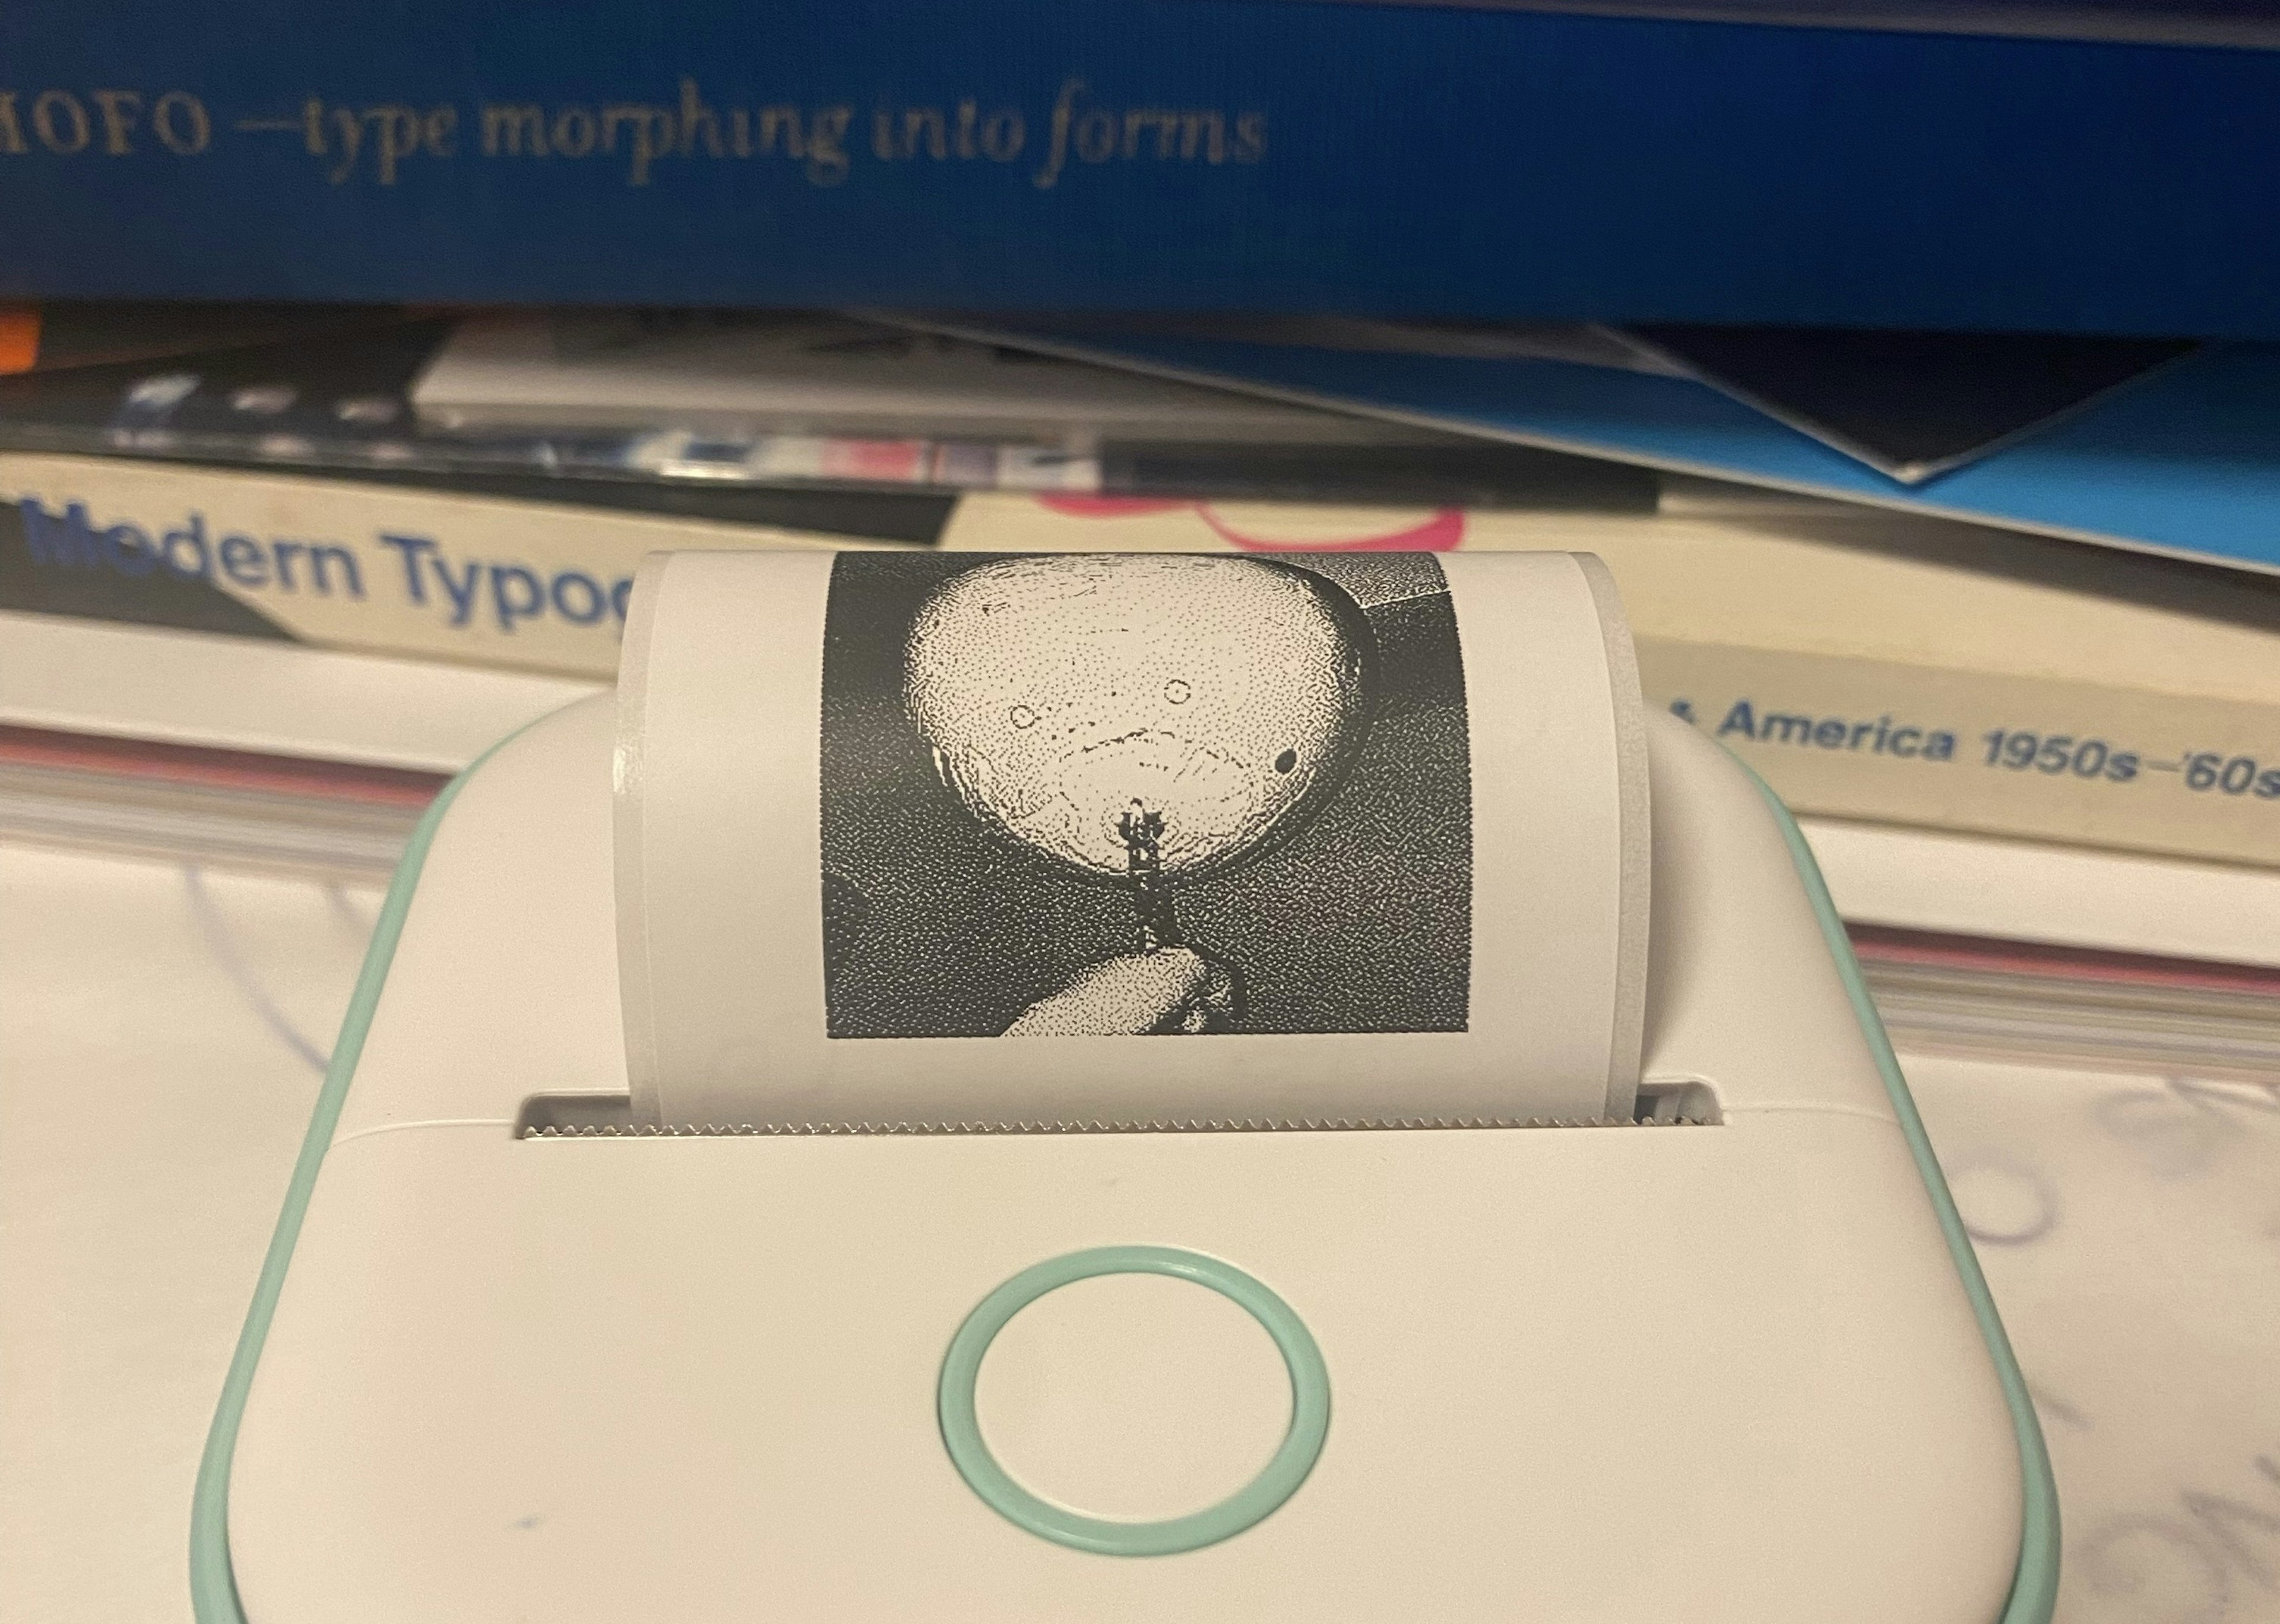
[[213, 1587], [2035, 1584], [1276, 1482]]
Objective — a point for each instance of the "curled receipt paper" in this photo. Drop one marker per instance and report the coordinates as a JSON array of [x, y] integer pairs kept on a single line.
[[913, 841]]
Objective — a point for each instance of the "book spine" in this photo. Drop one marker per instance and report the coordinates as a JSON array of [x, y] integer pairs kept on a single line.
[[2040, 759], [384, 569], [535, 588], [1222, 155]]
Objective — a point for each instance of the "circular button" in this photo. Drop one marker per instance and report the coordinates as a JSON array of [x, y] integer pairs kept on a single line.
[[1133, 1397], [1285, 1470]]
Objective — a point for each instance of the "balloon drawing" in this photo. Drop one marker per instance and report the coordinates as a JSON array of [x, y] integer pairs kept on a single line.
[[1141, 720]]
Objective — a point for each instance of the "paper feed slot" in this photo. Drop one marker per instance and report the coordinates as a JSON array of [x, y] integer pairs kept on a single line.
[[1686, 1103]]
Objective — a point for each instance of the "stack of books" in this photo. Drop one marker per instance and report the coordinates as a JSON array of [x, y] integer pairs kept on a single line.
[[1914, 367]]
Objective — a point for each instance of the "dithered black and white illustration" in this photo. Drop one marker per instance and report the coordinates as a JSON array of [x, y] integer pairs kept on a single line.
[[1127, 794]]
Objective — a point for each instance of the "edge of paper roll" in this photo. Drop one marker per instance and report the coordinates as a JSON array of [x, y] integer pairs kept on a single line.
[[631, 879], [1627, 1048]]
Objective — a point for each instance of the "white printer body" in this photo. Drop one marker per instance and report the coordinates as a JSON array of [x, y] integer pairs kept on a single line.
[[1741, 1370]]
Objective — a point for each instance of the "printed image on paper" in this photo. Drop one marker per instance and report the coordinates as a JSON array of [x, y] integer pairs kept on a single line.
[[1114, 795]]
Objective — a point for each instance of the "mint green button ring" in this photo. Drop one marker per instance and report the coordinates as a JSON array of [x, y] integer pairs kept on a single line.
[[1302, 1444]]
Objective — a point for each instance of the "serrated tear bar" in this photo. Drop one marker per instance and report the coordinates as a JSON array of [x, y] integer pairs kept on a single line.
[[1662, 1102], [536, 1129]]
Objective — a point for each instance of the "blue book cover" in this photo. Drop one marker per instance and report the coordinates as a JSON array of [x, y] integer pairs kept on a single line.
[[2034, 165], [2185, 460]]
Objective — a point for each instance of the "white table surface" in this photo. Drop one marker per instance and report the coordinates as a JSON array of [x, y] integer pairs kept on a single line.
[[162, 1033]]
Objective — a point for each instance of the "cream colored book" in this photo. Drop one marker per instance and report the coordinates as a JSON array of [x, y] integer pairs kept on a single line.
[[1869, 665], [339, 564]]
